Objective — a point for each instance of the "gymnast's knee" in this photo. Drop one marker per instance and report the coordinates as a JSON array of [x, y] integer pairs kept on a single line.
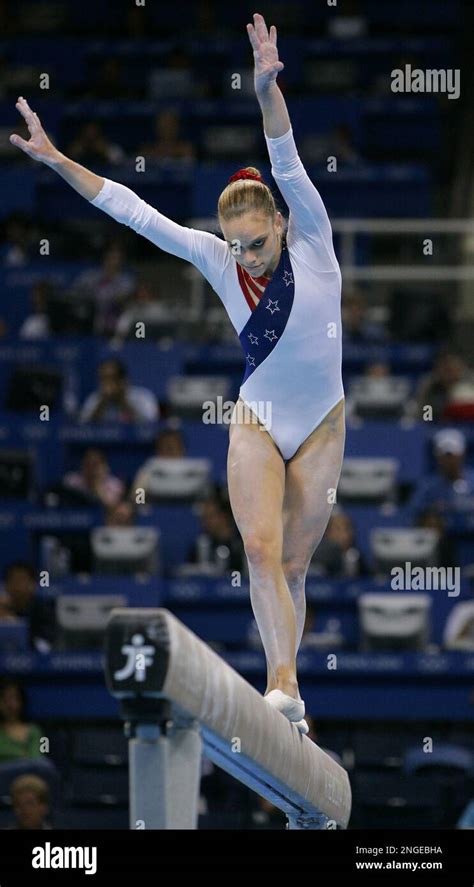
[[262, 552], [295, 571]]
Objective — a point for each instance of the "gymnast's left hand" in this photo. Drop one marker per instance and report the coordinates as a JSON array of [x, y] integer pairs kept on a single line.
[[265, 53]]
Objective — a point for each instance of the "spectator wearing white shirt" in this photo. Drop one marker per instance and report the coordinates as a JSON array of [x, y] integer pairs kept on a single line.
[[36, 325], [117, 400]]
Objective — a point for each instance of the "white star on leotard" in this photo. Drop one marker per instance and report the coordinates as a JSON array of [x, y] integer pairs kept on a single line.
[[270, 303], [253, 339], [287, 277], [270, 335], [251, 360]]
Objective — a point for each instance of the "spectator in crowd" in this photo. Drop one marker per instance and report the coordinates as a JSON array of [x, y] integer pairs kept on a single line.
[[169, 444], [338, 554], [144, 306], [15, 247], [437, 389], [219, 541], [20, 601], [432, 519], [108, 286], [356, 324], [452, 486], [167, 145], [91, 146], [95, 479], [18, 738], [116, 400], [36, 325], [30, 801]]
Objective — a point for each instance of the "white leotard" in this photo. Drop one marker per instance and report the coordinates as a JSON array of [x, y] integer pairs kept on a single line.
[[300, 381]]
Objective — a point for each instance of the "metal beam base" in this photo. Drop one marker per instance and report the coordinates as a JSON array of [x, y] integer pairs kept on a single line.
[[165, 771]]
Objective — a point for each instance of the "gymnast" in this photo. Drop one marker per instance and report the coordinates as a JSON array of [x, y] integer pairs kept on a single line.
[[281, 286]]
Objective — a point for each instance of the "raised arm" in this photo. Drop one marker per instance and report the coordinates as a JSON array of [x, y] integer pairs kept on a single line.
[[307, 210], [207, 252], [40, 148]]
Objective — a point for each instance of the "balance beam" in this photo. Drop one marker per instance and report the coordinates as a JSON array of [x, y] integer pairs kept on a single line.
[[178, 697]]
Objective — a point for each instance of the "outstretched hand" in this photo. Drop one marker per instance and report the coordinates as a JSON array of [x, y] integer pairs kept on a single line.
[[39, 147], [265, 53]]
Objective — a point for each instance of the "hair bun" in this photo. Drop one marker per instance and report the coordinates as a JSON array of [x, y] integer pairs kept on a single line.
[[247, 173]]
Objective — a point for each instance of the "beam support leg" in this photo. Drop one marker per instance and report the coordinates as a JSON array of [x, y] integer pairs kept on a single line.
[[165, 772]]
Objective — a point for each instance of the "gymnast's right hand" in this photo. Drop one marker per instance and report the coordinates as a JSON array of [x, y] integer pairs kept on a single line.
[[39, 146]]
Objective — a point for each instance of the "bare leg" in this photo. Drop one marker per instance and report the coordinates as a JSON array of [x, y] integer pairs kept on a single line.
[[256, 479], [311, 474]]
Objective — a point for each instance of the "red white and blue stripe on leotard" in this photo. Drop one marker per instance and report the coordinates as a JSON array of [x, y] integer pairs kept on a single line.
[[270, 312]]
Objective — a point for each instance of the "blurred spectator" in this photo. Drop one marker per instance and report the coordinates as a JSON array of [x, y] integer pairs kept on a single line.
[[144, 307], [18, 738], [122, 514], [452, 487], [459, 629], [117, 400], [436, 388], [108, 285], [356, 325], [15, 247], [95, 479], [432, 519], [30, 802], [36, 325], [219, 541], [169, 444], [338, 555], [20, 601], [167, 144], [91, 146]]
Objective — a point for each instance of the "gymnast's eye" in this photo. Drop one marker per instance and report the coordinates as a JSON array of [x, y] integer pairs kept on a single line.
[[258, 243]]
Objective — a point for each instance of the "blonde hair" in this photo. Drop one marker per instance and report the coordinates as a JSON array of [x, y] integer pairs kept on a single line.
[[31, 783], [246, 195]]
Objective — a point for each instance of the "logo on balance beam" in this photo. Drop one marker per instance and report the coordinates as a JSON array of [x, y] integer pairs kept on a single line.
[[136, 654]]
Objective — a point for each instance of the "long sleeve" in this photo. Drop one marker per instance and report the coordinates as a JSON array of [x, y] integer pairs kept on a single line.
[[204, 250], [307, 211]]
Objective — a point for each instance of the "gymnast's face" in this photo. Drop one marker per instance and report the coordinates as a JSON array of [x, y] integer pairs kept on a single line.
[[254, 240]]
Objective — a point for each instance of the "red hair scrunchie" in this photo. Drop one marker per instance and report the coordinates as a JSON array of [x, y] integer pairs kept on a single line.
[[243, 174]]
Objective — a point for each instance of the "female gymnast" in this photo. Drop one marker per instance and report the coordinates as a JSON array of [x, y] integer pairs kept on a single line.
[[281, 287]]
